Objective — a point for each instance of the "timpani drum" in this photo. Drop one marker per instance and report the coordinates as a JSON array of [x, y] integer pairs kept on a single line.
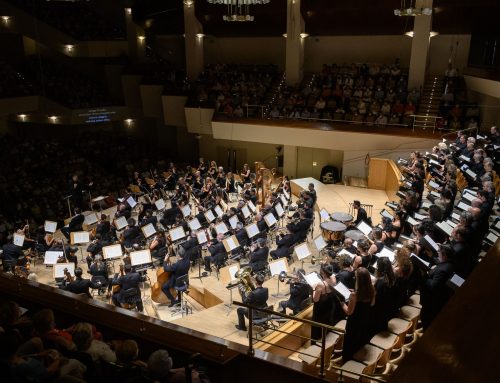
[[345, 218], [354, 234], [332, 231]]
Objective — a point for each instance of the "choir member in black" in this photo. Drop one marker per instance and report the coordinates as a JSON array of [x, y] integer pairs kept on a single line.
[[363, 259], [377, 244], [392, 229], [158, 245], [75, 224], [131, 233], [464, 260], [361, 213], [257, 298], [349, 246], [130, 291], [385, 306], [346, 272], [78, 285], [299, 292], [417, 185], [217, 253], [178, 269], [434, 291], [10, 254], [357, 310], [324, 301], [284, 244], [259, 256]]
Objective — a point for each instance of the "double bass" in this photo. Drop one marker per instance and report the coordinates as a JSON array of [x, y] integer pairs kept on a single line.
[[162, 277]]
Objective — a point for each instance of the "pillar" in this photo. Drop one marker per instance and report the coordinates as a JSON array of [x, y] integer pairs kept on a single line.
[[420, 46], [295, 27], [193, 36]]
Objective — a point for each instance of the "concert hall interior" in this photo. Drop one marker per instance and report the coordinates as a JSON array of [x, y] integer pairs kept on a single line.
[[249, 190]]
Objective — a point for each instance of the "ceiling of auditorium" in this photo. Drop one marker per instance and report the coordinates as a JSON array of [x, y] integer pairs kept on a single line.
[[322, 17]]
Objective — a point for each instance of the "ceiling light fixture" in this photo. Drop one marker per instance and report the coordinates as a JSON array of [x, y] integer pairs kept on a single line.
[[238, 10], [408, 9]]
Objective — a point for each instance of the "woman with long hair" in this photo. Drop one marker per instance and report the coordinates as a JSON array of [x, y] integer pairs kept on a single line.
[[385, 296], [358, 314]]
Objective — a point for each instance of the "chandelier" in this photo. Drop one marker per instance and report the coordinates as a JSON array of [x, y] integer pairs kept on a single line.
[[238, 10], [408, 9]]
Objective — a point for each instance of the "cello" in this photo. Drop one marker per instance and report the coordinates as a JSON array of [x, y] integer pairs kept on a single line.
[[162, 277]]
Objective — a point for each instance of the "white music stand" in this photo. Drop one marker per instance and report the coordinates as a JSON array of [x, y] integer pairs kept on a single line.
[[230, 243], [18, 240], [201, 236], [186, 211], [246, 212], [120, 223], [276, 268], [51, 257], [233, 221], [252, 230], [320, 243], [227, 276], [160, 204], [79, 238], [209, 215], [50, 227], [302, 252], [148, 230], [218, 211], [194, 224], [58, 269], [177, 233], [221, 228], [270, 220]]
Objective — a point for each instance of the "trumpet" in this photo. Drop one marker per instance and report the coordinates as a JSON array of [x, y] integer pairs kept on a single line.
[[284, 276]]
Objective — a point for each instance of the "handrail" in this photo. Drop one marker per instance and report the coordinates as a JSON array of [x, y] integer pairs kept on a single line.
[[324, 330], [461, 130]]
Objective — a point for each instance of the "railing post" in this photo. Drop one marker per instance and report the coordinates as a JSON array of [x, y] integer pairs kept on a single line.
[[250, 331], [323, 345]]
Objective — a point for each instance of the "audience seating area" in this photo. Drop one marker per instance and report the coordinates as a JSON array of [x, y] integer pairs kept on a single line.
[[13, 83], [74, 18]]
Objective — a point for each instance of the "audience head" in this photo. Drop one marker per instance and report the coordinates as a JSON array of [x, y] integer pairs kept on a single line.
[[159, 365], [43, 321], [384, 271], [127, 351], [82, 336], [364, 287]]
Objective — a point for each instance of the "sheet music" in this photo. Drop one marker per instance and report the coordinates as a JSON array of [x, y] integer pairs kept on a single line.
[[148, 230], [186, 211], [343, 290], [251, 206], [364, 228], [419, 217], [470, 191], [233, 269], [302, 251], [463, 206], [232, 243], [431, 242], [468, 197], [252, 230], [112, 251], [80, 237], [283, 200], [58, 269], [50, 227], [90, 219], [471, 173], [218, 211], [140, 257], [194, 224], [324, 215], [463, 158], [160, 204], [426, 204], [451, 223], [270, 219], [455, 216], [445, 227], [497, 224], [120, 223], [491, 237], [319, 242], [233, 221], [345, 252], [386, 214], [278, 266], [177, 233], [279, 210], [312, 279], [51, 257], [425, 263], [434, 185], [221, 228], [18, 240], [457, 280], [434, 162], [386, 252], [245, 211], [209, 215], [131, 201], [201, 236], [435, 194]]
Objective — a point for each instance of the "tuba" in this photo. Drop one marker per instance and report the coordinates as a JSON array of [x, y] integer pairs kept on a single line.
[[246, 284]]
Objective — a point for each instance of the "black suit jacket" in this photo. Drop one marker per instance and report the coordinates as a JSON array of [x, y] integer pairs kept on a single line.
[[128, 281], [11, 252], [258, 297], [259, 255], [178, 269], [434, 292], [361, 216], [80, 286]]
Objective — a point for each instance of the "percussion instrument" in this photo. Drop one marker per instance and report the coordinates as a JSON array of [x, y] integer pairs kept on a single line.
[[355, 234], [332, 231], [339, 216]]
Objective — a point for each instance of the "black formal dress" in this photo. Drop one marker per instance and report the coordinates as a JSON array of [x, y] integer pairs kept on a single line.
[[385, 306], [325, 310], [357, 330]]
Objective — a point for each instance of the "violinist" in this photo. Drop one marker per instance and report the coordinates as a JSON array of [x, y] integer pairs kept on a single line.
[[230, 184], [158, 245], [78, 285], [197, 183], [131, 233], [94, 248], [220, 179], [123, 211], [149, 218], [103, 227], [212, 170], [188, 175], [202, 167], [178, 269], [75, 224]]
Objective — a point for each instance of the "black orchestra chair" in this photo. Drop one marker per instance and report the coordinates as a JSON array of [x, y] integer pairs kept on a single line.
[[130, 298], [263, 321], [99, 284]]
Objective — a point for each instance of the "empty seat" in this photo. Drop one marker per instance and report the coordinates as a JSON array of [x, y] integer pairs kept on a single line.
[[411, 314], [356, 367], [399, 327], [414, 301], [385, 341], [369, 355]]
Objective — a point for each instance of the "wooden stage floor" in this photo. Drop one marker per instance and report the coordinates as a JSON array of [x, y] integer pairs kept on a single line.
[[219, 320]]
